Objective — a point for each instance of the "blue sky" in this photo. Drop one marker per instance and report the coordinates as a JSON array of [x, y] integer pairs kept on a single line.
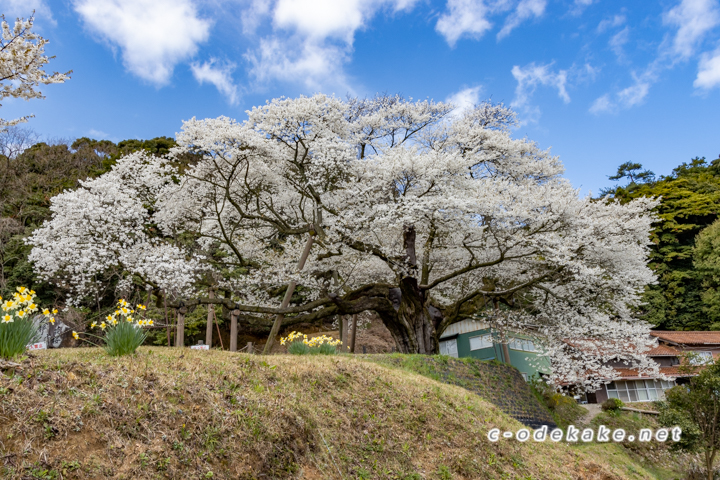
[[601, 82]]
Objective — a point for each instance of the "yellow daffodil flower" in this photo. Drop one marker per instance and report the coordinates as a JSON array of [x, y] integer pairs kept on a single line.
[[7, 319], [21, 289], [141, 307], [55, 311], [103, 326], [150, 322], [51, 320], [93, 325], [20, 313], [76, 336], [46, 312]]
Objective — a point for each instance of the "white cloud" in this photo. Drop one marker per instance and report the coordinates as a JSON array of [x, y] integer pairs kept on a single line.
[[635, 93], [13, 9], [153, 35], [580, 6], [529, 78], [613, 22], [693, 19], [465, 18], [629, 97], [98, 134], [252, 16], [602, 105], [312, 40], [619, 40], [526, 9], [314, 64], [220, 76], [320, 19], [464, 100], [708, 71]]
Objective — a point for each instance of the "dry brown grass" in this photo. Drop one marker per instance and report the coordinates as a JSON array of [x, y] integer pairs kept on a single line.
[[75, 413]]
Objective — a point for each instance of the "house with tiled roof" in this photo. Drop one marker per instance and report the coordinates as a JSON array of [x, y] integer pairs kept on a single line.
[[674, 353], [704, 346]]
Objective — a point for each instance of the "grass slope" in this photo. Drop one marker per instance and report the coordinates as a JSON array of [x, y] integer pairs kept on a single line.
[[166, 413], [498, 383]]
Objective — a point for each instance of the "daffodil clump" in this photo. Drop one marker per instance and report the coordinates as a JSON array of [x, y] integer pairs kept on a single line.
[[298, 344], [18, 322], [123, 330]]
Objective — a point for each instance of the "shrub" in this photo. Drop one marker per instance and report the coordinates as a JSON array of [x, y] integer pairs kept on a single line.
[[18, 326], [123, 332], [298, 344], [612, 404]]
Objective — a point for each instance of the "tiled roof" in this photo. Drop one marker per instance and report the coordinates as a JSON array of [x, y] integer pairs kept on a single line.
[[688, 338], [663, 351], [632, 373]]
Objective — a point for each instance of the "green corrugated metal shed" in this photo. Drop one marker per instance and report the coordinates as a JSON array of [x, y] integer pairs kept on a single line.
[[471, 338]]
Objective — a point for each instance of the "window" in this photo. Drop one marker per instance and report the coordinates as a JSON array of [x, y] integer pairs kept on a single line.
[[700, 358], [483, 341], [449, 347], [522, 344], [638, 390]]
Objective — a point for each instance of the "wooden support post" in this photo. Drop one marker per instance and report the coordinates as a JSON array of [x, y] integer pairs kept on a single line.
[[233, 330], [249, 347], [180, 334], [210, 317], [286, 300], [353, 333], [344, 332]]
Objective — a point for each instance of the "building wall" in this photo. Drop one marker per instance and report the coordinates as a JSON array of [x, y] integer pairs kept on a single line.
[[495, 352]]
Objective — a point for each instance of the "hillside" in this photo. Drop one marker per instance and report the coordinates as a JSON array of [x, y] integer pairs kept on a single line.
[[496, 382], [75, 413]]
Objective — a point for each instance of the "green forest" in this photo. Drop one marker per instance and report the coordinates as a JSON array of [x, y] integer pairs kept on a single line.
[[685, 250]]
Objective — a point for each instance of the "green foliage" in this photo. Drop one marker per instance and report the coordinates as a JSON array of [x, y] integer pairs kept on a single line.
[[16, 335], [695, 408], [706, 258], [612, 404], [690, 203], [564, 409], [298, 348], [123, 338]]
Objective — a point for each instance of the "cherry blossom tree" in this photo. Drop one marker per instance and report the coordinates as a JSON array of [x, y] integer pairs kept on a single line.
[[22, 61], [424, 217]]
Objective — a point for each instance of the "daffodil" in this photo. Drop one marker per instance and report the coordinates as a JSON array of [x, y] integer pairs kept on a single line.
[[55, 311], [51, 320], [46, 312], [7, 319], [21, 289], [20, 313], [75, 335], [150, 322], [93, 325], [103, 326], [141, 307], [124, 311]]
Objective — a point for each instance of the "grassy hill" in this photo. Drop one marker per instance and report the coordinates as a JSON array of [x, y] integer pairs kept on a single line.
[[165, 413]]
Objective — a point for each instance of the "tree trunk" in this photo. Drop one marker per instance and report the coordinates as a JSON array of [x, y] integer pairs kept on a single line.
[[709, 460], [414, 321], [210, 318], [353, 333]]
